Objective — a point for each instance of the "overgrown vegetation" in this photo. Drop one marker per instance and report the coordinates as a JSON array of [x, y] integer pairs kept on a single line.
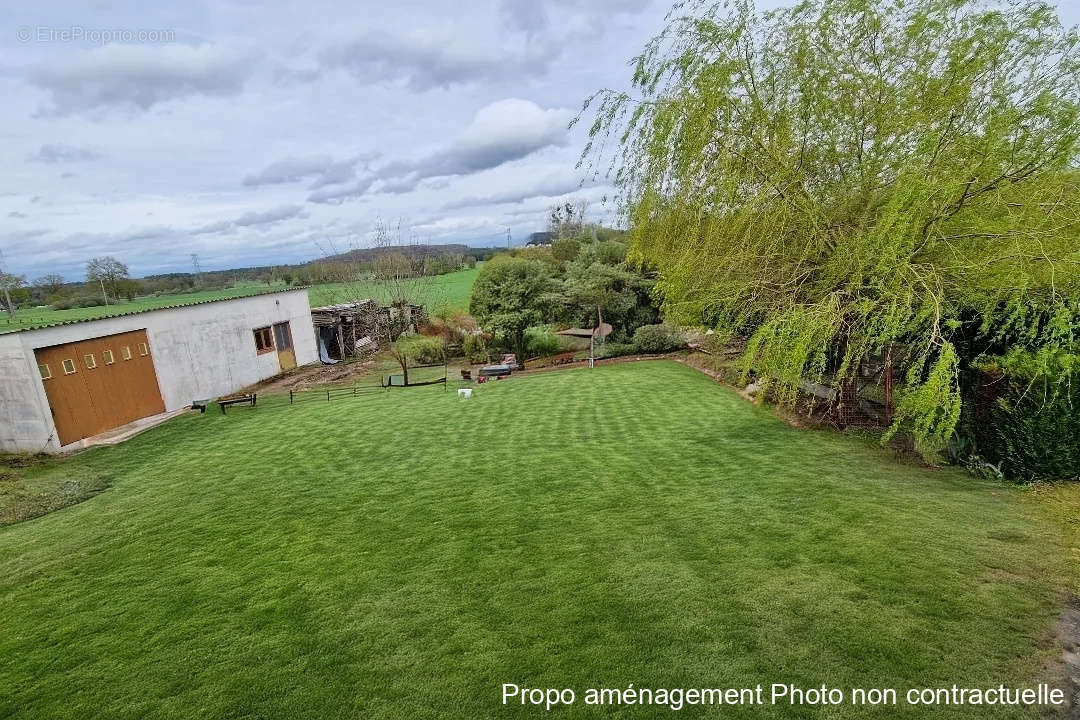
[[421, 349], [1030, 425], [581, 280], [844, 178]]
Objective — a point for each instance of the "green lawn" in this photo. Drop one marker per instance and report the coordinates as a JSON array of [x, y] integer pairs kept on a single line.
[[445, 292], [403, 554]]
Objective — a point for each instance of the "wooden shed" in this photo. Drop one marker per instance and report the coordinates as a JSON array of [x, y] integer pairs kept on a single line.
[[348, 329]]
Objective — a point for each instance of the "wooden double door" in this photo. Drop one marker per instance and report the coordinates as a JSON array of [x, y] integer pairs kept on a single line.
[[99, 384]]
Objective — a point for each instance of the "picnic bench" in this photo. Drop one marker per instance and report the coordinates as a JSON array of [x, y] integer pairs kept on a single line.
[[237, 400]]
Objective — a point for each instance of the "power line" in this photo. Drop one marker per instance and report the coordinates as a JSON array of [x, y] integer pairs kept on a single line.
[[195, 269]]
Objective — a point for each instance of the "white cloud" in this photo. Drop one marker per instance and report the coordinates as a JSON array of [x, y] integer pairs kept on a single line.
[[140, 76], [63, 153], [426, 59], [499, 133]]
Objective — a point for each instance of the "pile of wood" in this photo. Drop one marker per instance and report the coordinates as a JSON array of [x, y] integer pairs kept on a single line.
[[356, 329]]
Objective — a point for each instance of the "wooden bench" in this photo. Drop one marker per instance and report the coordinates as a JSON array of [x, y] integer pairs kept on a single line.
[[237, 400]]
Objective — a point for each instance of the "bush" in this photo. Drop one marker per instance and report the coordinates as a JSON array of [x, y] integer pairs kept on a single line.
[[1029, 426], [540, 342], [420, 349], [566, 249], [657, 339], [610, 350], [452, 327], [78, 302], [476, 348]]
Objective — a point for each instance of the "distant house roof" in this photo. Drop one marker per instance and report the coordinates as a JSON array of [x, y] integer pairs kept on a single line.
[[541, 238], [587, 333], [173, 306]]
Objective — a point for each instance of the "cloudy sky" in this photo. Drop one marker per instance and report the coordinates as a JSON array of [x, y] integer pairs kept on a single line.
[[258, 133]]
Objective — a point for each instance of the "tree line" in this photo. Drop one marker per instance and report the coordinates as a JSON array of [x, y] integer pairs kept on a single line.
[[108, 279]]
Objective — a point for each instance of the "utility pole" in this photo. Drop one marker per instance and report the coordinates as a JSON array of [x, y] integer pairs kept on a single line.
[[507, 237], [103, 293], [196, 270]]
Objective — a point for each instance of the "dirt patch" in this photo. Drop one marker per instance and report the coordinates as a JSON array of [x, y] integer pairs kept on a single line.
[[1069, 639], [312, 376]]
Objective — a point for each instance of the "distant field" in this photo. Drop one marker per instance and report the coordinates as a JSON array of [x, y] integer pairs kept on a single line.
[[446, 292]]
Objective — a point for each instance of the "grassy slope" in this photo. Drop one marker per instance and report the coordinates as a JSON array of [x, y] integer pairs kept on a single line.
[[402, 554], [446, 292], [449, 292]]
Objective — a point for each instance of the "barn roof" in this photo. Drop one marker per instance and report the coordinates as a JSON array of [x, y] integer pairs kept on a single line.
[[171, 306]]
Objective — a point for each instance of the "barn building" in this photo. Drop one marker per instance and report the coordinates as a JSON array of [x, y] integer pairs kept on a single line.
[[62, 384]]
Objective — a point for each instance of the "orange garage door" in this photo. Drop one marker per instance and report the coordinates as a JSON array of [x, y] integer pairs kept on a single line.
[[97, 385]]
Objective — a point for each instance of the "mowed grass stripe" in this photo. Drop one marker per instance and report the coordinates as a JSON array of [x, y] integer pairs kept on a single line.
[[404, 553]]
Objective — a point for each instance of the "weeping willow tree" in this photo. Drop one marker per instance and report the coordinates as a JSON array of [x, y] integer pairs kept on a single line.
[[845, 176]]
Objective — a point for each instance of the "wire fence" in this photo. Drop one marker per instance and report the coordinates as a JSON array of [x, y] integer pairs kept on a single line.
[[323, 395], [329, 394]]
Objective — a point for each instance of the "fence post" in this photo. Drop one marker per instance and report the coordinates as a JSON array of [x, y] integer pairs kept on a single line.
[[290, 397]]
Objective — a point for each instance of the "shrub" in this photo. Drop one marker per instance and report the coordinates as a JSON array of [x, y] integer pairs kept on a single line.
[[540, 342], [566, 249], [84, 301], [421, 349], [610, 350], [657, 339], [1030, 426], [476, 348]]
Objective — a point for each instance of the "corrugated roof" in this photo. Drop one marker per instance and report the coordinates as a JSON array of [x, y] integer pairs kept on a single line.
[[605, 330], [173, 306]]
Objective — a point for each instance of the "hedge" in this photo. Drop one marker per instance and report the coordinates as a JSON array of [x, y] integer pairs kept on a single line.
[[1027, 415]]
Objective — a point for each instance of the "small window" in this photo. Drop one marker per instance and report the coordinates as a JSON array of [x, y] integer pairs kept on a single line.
[[143, 349], [264, 340], [125, 352], [107, 357], [69, 366], [91, 363], [46, 373]]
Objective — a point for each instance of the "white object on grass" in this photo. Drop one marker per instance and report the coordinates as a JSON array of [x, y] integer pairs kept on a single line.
[[464, 392]]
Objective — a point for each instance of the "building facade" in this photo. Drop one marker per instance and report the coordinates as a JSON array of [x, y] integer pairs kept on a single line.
[[64, 383]]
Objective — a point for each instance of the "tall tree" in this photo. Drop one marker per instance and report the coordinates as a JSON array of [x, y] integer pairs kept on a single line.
[[508, 295], [108, 272], [10, 284], [845, 175], [49, 284]]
